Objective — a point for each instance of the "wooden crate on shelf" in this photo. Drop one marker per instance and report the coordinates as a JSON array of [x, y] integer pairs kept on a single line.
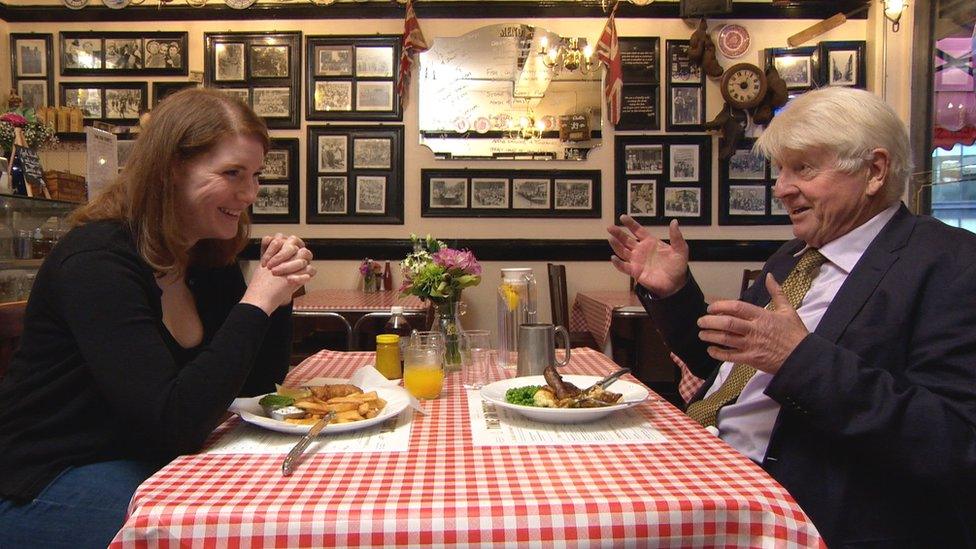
[[66, 186]]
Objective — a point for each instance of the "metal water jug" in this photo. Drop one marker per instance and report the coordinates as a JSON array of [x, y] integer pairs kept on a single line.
[[516, 306]]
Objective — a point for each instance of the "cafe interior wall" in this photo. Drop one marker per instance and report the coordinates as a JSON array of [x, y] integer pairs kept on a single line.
[[716, 278]]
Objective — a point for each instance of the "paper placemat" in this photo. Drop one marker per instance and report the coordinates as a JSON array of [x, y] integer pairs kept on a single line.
[[393, 435], [495, 426]]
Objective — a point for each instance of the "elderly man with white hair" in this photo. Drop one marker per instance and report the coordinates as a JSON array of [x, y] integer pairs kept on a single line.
[[848, 370]]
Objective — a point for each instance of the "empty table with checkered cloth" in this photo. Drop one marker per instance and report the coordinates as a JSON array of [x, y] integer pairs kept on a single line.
[[692, 490]]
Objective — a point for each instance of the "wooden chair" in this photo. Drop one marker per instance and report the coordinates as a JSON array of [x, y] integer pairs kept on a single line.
[[748, 276], [559, 304], [366, 327], [314, 331]]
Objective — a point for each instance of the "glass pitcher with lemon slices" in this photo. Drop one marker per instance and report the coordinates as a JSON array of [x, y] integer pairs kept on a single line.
[[516, 306]]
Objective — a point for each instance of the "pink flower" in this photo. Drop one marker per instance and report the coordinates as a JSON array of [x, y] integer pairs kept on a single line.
[[14, 119], [463, 260]]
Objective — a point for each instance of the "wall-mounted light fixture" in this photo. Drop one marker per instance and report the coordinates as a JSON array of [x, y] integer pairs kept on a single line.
[[892, 12], [567, 55]]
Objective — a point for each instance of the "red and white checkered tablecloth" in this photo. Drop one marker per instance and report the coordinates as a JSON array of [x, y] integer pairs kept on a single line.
[[355, 301], [691, 491], [593, 312]]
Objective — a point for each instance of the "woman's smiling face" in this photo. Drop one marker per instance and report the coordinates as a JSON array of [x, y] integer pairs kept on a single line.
[[218, 186]]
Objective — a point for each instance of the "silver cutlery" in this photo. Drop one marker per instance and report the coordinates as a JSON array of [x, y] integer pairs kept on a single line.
[[292, 458]]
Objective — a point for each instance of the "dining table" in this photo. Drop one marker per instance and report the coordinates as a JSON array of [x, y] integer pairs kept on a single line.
[[353, 301], [316, 311], [443, 487]]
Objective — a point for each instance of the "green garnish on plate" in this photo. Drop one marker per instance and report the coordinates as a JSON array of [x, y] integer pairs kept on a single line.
[[276, 401], [522, 396]]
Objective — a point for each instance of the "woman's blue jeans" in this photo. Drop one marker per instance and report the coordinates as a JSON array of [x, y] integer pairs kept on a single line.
[[83, 507]]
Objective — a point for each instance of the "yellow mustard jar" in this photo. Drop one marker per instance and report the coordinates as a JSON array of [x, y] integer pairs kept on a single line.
[[388, 355]]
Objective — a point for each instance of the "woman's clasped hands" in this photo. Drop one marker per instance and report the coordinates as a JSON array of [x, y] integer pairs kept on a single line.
[[286, 265]]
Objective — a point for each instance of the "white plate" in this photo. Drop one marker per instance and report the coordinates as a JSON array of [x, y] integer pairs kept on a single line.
[[250, 411], [633, 394]]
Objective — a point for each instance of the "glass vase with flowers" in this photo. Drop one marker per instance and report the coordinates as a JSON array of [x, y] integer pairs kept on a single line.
[[433, 272], [372, 273]]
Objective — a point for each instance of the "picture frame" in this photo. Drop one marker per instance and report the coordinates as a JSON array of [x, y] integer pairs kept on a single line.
[[96, 53], [639, 107], [685, 102], [655, 187], [352, 77], [266, 64], [355, 174], [700, 8], [119, 103], [746, 185], [162, 89], [798, 67], [843, 63], [639, 59], [32, 68], [279, 194], [510, 193]]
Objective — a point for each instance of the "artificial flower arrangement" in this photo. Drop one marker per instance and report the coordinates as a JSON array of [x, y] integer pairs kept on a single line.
[[36, 134], [437, 273], [372, 273]]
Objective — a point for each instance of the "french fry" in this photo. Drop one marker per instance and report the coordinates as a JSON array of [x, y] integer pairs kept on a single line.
[[347, 416]]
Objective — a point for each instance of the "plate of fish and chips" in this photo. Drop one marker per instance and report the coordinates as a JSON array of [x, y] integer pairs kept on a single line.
[[554, 398], [295, 409]]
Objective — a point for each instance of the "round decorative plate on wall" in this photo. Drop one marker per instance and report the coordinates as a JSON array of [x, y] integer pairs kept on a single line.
[[75, 4], [733, 41], [239, 4], [116, 4]]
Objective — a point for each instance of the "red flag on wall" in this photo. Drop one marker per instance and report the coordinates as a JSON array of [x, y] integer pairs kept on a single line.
[[608, 52], [413, 42]]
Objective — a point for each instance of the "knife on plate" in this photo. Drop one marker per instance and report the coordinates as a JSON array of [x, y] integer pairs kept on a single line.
[[292, 458]]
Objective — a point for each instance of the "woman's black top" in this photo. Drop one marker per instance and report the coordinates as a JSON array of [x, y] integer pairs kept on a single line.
[[98, 376]]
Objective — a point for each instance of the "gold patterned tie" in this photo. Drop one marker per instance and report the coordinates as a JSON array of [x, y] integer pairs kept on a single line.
[[705, 411]]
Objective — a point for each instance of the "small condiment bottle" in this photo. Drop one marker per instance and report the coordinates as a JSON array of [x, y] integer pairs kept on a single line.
[[388, 355], [387, 277]]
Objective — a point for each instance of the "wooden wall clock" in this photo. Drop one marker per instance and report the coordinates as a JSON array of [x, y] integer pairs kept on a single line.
[[743, 86]]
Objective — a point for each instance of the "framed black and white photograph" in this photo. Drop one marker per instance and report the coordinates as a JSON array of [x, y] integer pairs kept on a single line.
[[229, 62], [684, 163], [31, 55], [573, 194], [489, 193], [372, 153], [271, 102], [332, 153], [32, 68], [843, 63], [686, 106], [530, 194], [746, 185], [374, 96], [266, 64], [650, 195], [448, 192], [35, 93], [680, 68], [332, 60], [279, 198], [798, 67], [374, 62], [123, 53], [333, 96], [510, 193], [744, 164], [332, 195], [241, 94], [369, 160], [160, 90], [644, 159], [747, 200], [269, 61], [115, 102], [352, 77], [370, 194], [124, 103], [642, 197], [682, 202]]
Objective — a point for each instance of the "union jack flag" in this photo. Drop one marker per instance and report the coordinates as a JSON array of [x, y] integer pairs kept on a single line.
[[608, 52], [413, 42]]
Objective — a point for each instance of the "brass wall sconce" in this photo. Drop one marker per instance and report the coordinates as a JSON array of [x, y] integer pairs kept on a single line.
[[567, 55]]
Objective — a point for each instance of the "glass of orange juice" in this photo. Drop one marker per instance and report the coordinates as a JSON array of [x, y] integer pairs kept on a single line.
[[423, 371]]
